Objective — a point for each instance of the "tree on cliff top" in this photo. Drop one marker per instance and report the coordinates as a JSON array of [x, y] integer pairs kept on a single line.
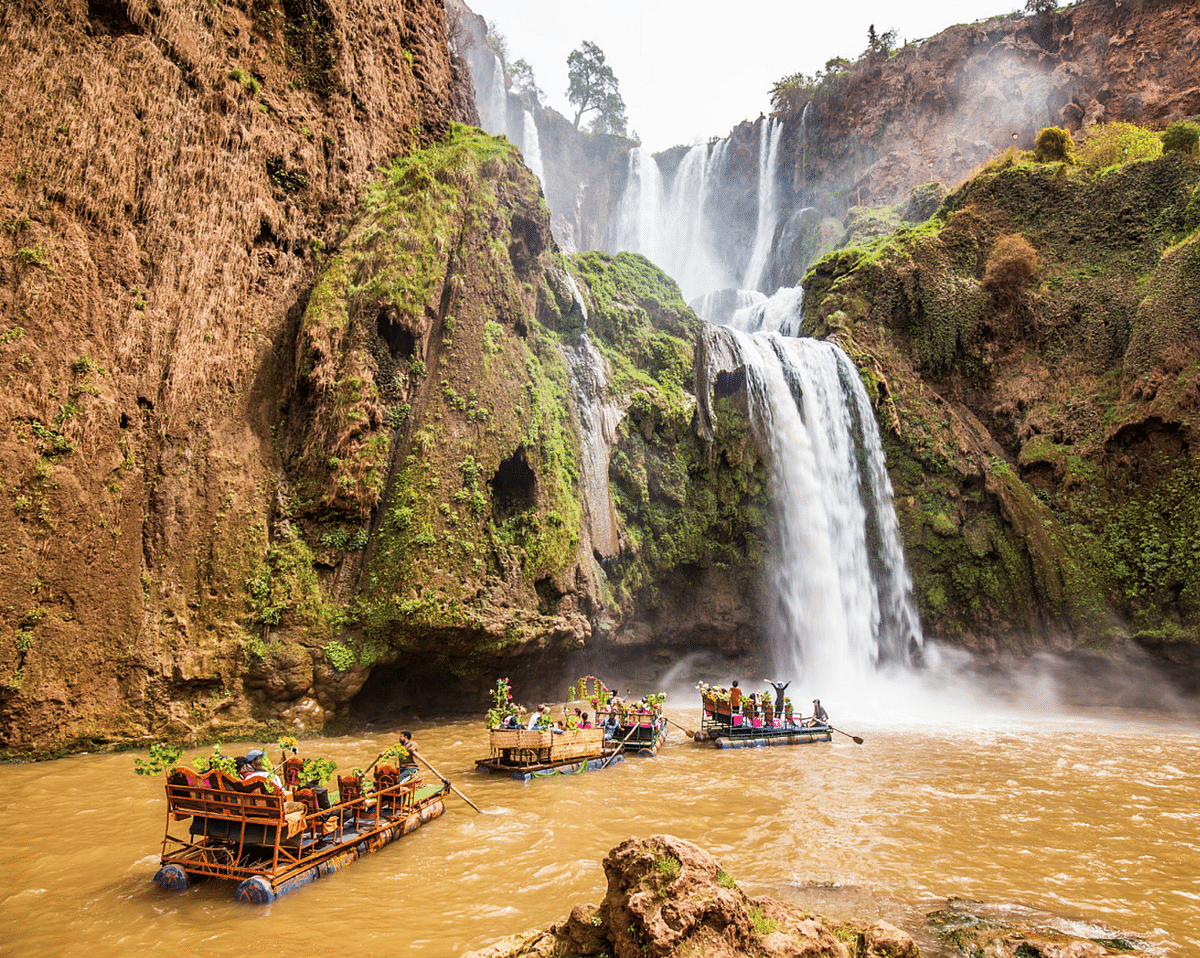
[[594, 87]]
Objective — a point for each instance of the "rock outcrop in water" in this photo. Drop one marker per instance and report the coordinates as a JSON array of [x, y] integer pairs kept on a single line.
[[667, 897]]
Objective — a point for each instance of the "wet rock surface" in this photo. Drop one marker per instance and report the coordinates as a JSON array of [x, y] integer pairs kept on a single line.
[[668, 898]]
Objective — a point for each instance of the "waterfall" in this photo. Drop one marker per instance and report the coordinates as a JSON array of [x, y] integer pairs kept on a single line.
[[802, 140], [491, 96], [597, 421], [669, 225], [768, 202], [721, 306], [531, 149], [640, 213], [838, 594], [780, 313]]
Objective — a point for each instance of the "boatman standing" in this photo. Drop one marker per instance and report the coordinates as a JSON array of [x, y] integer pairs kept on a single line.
[[406, 763]]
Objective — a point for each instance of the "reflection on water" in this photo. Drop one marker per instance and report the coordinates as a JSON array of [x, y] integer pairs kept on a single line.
[[1096, 821]]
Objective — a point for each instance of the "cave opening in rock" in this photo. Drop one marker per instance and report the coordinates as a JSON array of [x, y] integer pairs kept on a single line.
[[514, 487], [400, 341], [111, 18]]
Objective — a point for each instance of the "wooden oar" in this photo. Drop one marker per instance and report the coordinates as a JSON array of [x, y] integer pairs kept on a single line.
[[620, 748], [857, 739], [377, 758], [690, 733], [421, 759]]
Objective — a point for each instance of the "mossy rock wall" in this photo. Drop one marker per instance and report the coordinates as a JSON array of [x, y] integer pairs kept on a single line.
[[1040, 421], [433, 443]]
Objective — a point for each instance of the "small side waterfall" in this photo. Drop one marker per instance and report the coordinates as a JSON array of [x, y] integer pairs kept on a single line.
[[598, 421], [839, 597], [669, 224], [768, 203], [531, 148], [639, 217], [491, 97], [802, 140]]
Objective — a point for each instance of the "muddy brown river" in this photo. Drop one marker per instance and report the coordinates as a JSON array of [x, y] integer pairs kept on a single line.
[[1093, 819]]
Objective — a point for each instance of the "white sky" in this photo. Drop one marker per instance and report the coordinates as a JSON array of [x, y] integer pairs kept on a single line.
[[692, 69]]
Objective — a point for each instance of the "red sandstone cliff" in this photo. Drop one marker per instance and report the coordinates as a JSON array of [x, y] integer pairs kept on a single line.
[[939, 108], [172, 169]]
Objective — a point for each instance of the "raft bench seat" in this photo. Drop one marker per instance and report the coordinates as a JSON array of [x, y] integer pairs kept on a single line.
[[225, 808]]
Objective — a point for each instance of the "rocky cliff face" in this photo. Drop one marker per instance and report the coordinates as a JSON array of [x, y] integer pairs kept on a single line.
[[1033, 350], [937, 109], [173, 173], [302, 413]]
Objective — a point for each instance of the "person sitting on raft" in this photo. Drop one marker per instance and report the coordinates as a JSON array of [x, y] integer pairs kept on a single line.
[[610, 725], [819, 716], [251, 770]]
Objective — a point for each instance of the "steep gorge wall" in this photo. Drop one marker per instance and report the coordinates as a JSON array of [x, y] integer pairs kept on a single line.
[[292, 423], [173, 172], [1034, 350], [938, 109]]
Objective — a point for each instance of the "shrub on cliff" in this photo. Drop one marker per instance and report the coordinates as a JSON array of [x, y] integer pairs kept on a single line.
[[1011, 266], [1181, 137], [1054, 145], [1108, 144]]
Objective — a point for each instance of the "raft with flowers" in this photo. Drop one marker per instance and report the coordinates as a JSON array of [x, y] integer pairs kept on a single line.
[[753, 723], [272, 841], [550, 747]]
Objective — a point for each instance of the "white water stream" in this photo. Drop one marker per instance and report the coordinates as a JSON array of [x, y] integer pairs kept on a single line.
[[768, 203], [667, 219], [838, 593]]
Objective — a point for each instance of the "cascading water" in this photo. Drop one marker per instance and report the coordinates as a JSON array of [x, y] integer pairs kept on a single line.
[[777, 314], [838, 592], [597, 420], [531, 148], [639, 217], [491, 97], [768, 203], [669, 225]]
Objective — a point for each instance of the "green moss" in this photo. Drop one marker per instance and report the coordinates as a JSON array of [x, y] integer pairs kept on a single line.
[[284, 590]]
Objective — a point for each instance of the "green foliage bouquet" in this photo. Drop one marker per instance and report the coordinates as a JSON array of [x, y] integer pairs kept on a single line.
[[502, 704], [162, 757], [218, 761]]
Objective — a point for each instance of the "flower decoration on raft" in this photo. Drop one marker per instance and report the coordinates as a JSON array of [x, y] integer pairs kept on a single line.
[[502, 704], [596, 694], [714, 692]]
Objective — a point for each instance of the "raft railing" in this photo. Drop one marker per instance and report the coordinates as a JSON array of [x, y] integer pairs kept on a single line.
[[247, 833]]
